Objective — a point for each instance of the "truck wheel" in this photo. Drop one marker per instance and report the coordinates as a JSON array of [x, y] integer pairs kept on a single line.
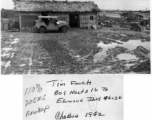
[[138, 29], [64, 29], [42, 29]]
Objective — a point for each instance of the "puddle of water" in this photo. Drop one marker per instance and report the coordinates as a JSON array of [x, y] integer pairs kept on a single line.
[[29, 72], [7, 49], [15, 40], [30, 62], [126, 56], [8, 64], [101, 55], [81, 49], [9, 52], [133, 44], [7, 55], [130, 45], [123, 35], [128, 65], [95, 71], [114, 15], [22, 65]]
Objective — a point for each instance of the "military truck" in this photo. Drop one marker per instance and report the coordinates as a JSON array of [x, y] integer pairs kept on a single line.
[[48, 23], [135, 26]]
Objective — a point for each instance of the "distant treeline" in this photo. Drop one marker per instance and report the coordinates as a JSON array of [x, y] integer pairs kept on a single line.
[[141, 11]]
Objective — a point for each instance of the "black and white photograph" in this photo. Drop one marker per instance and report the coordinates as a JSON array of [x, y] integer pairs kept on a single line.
[[75, 37], [75, 60]]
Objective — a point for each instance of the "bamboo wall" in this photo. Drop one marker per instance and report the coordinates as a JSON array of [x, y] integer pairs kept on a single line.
[[27, 19], [86, 22]]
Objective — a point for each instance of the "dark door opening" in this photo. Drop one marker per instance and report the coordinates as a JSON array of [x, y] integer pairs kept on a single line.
[[44, 13], [74, 20]]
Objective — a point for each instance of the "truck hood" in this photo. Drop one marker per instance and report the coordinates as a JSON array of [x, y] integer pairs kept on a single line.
[[62, 22]]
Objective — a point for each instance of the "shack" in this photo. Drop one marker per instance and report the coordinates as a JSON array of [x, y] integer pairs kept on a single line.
[[77, 14]]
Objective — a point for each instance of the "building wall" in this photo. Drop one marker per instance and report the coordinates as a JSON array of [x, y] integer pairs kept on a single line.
[[27, 20], [61, 16], [88, 20]]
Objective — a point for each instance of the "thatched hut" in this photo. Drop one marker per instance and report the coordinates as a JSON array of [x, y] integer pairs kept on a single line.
[[77, 14]]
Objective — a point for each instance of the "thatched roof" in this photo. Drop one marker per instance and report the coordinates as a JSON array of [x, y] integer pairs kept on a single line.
[[57, 6]]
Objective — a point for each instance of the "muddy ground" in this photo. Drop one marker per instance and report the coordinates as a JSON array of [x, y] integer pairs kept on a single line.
[[79, 51]]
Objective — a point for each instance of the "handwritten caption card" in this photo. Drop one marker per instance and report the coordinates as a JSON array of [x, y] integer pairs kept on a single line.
[[73, 97]]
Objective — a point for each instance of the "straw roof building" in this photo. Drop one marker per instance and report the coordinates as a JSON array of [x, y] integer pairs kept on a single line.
[[77, 14]]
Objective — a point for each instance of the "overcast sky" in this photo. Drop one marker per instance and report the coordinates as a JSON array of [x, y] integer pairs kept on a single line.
[[102, 4]]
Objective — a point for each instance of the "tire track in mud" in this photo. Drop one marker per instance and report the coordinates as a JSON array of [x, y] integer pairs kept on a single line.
[[32, 56]]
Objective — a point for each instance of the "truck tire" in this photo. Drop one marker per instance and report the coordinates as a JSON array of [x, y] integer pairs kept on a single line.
[[64, 29], [139, 29], [42, 29]]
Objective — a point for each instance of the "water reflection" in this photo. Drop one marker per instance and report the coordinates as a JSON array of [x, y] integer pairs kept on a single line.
[[130, 45]]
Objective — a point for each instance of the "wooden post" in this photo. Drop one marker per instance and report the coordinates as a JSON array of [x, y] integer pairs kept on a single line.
[[97, 19], [20, 21]]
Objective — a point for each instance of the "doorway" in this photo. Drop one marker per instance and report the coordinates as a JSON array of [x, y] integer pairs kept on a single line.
[[44, 13], [74, 20]]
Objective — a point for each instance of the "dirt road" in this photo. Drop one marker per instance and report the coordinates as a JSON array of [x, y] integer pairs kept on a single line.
[[59, 53]]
